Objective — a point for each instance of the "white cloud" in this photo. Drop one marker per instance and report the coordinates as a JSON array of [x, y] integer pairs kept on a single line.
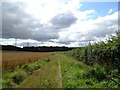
[[19, 42], [91, 30], [56, 22], [47, 9], [110, 11]]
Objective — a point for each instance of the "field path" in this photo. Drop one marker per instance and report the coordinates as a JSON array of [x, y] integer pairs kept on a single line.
[[59, 77], [49, 76], [61, 71]]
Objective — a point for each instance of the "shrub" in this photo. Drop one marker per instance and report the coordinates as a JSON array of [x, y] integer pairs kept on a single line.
[[28, 69], [37, 66], [6, 83], [102, 84], [98, 73], [18, 76]]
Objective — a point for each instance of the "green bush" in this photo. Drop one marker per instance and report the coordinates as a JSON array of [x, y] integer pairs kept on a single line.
[[6, 83], [29, 69], [98, 73], [18, 76], [71, 84], [36, 66], [105, 53], [102, 84], [11, 79]]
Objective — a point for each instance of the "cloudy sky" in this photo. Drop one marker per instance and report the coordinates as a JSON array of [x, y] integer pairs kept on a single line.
[[57, 22]]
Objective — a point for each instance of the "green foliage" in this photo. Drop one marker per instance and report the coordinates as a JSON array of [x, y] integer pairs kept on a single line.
[[18, 76], [98, 73], [6, 79], [7, 83], [46, 77], [28, 69], [107, 54], [104, 56], [13, 78], [76, 74]]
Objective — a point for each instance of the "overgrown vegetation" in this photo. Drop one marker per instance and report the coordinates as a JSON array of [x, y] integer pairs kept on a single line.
[[14, 78], [46, 77], [105, 55], [12, 59], [76, 74], [92, 66]]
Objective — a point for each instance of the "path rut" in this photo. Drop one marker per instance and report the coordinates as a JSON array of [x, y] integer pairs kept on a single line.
[[59, 75]]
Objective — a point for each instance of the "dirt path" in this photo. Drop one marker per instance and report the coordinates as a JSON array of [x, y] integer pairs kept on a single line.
[[49, 76], [44, 77], [59, 78]]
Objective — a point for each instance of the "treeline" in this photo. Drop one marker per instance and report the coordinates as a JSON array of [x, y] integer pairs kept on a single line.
[[104, 53], [35, 49]]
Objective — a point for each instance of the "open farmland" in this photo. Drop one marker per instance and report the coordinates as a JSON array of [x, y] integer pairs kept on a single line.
[[57, 71], [93, 66], [11, 59]]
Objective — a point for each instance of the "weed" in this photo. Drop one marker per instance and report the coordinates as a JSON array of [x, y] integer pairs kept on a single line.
[[98, 73], [28, 68], [18, 76]]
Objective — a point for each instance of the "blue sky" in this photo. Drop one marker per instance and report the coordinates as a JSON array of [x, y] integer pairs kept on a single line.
[[59, 22], [102, 8]]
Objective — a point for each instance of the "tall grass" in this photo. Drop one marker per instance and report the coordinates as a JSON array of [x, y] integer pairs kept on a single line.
[[11, 59], [76, 74], [14, 78], [46, 77]]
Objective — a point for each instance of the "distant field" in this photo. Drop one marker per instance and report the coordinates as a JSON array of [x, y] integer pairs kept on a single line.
[[0, 59], [11, 59]]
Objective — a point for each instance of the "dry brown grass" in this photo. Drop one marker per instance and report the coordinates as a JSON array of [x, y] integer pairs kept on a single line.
[[0, 58], [11, 59]]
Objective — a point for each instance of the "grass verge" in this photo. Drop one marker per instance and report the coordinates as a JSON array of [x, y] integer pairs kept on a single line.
[[14, 78], [46, 77], [76, 74]]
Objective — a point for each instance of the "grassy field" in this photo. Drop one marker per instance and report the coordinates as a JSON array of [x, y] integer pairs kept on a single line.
[[11, 59], [73, 74], [45, 77], [55, 71], [76, 74]]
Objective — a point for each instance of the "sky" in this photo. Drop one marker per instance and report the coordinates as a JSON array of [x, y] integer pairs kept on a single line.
[[70, 23]]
